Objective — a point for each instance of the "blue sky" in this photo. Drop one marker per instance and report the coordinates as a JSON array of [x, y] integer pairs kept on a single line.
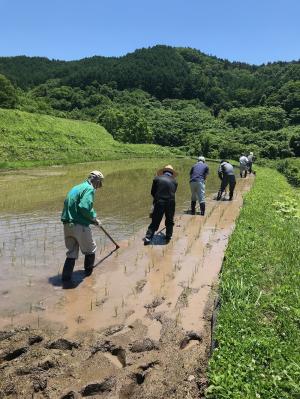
[[239, 30]]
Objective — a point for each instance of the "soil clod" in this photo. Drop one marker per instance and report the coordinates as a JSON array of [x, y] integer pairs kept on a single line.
[[63, 344], [39, 384], [190, 336], [15, 353], [113, 329], [138, 378], [70, 395], [140, 285], [156, 302], [106, 346], [98, 387], [144, 345], [35, 339], [8, 390]]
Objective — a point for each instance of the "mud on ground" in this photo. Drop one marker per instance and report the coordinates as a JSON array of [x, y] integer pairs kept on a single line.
[[139, 327]]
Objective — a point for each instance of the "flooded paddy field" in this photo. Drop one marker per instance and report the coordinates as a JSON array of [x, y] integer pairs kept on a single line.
[[32, 250], [139, 327]]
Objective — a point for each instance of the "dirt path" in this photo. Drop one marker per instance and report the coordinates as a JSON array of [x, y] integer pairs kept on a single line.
[[139, 327]]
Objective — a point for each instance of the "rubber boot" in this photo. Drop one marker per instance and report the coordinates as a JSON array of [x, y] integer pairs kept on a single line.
[[68, 269], [193, 207], [202, 208], [219, 196], [89, 264], [148, 237]]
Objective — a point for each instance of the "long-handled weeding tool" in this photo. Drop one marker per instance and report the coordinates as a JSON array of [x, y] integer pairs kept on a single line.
[[109, 236]]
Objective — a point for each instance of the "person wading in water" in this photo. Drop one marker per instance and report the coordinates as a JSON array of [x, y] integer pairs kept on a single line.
[[77, 215], [198, 175], [226, 174], [163, 191]]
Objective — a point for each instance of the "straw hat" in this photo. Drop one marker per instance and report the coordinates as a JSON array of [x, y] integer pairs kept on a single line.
[[167, 168]]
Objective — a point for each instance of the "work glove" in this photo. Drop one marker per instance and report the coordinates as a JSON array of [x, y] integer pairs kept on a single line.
[[97, 222]]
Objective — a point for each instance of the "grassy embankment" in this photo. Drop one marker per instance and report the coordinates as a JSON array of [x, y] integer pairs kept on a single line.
[[258, 332], [290, 167], [33, 139]]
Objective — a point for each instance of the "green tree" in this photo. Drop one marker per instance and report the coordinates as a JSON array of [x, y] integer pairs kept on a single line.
[[8, 94], [256, 118], [295, 116], [112, 119], [135, 129], [288, 96], [295, 144]]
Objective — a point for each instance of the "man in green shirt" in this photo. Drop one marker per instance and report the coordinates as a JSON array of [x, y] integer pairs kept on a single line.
[[77, 215]]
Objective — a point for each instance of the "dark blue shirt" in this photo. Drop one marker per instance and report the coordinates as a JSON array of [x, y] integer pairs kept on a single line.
[[199, 171]]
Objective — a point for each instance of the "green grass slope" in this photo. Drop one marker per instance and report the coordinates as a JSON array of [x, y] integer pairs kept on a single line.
[[290, 168], [32, 139], [258, 330]]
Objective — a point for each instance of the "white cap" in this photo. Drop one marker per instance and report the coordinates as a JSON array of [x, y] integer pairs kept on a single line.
[[201, 158], [96, 174]]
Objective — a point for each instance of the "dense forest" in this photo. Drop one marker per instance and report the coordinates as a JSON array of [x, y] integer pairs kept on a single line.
[[169, 96]]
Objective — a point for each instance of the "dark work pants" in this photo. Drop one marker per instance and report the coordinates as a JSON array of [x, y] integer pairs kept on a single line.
[[162, 208], [225, 181]]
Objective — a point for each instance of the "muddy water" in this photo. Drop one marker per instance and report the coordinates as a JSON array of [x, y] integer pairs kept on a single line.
[[31, 240]]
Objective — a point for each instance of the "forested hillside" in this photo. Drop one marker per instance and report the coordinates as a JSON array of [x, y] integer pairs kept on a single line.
[[169, 96]]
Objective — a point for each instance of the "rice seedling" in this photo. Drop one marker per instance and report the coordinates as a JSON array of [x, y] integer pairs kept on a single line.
[[116, 308], [192, 278], [178, 318], [79, 319]]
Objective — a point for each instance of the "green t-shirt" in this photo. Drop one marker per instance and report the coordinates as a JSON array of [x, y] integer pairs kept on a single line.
[[78, 205]]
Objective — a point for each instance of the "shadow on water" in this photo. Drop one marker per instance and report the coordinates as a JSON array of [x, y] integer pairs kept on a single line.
[[189, 212], [77, 278], [159, 239]]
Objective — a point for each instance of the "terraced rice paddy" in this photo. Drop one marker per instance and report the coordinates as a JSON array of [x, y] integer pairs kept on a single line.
[[31, 241]]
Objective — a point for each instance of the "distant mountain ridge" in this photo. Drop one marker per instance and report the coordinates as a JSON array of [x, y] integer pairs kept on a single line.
[[170, 96], [163, 71]]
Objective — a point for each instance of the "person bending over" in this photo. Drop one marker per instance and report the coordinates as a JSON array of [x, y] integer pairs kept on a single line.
[[226, 175], [77, 215]]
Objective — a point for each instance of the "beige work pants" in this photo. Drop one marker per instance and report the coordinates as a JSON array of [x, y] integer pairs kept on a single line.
[[78, 236]]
